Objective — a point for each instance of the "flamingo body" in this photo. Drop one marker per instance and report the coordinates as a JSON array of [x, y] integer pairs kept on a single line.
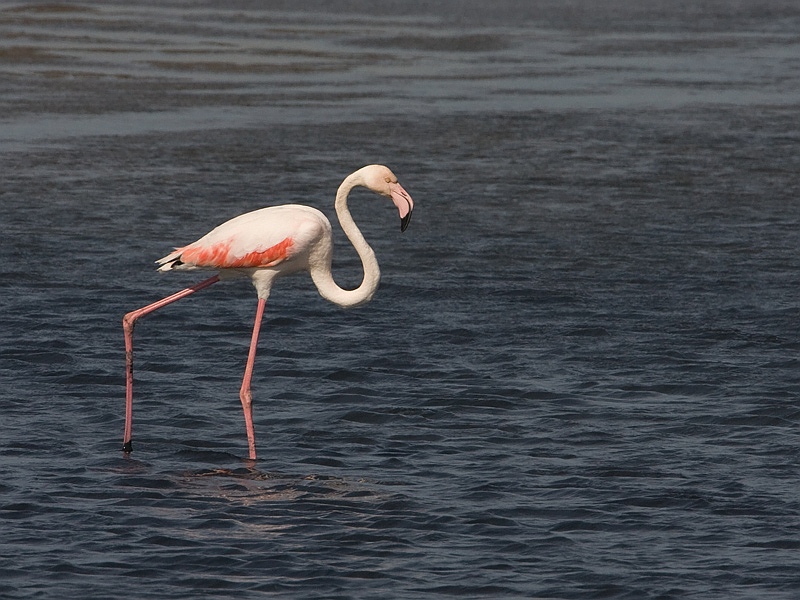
[[262, 244], [265, 244]]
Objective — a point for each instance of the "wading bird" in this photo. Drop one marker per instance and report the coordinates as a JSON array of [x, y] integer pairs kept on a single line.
[[266, 244]]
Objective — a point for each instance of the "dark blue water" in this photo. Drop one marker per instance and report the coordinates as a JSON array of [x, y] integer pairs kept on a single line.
[[579, 378]]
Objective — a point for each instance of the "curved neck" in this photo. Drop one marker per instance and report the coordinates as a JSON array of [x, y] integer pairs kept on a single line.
[[323, 279]]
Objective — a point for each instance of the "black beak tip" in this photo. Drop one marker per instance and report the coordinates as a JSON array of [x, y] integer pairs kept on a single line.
[[127, 447], [405, 221]]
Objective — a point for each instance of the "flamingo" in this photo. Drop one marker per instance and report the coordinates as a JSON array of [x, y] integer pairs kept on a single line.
[[266, 244]]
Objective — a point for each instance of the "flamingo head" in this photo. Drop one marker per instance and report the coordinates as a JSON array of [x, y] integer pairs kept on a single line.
[[381, 180]]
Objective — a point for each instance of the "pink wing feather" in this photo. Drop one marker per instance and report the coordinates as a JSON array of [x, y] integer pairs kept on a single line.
[[224, 255]]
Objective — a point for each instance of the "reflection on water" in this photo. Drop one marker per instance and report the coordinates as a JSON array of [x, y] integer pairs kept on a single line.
[[251, 486]]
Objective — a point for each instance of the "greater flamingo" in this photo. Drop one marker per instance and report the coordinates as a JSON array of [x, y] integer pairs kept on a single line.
[[266, 244]]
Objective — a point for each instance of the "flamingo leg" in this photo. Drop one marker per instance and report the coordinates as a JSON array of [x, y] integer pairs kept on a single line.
[[128, 323], [245, 394]]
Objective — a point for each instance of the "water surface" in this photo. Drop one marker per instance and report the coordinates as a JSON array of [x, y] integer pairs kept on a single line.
[[579, 378]]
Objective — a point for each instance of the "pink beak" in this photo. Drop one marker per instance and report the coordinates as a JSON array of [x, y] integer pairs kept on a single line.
[[403, 202]]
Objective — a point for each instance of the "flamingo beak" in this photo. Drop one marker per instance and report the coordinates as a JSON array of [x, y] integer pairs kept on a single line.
[[403, 202]]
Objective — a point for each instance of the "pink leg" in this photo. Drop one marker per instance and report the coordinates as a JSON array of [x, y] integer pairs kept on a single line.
[[244, 394], [128, 323]]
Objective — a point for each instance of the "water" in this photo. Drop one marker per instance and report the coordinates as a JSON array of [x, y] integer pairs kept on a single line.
[[579, 378]]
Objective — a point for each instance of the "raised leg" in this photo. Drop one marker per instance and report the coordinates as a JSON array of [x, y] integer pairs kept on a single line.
[[244, 394], [128, 323]]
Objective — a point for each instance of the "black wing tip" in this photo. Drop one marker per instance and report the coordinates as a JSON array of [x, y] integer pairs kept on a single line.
[[172, 264]]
